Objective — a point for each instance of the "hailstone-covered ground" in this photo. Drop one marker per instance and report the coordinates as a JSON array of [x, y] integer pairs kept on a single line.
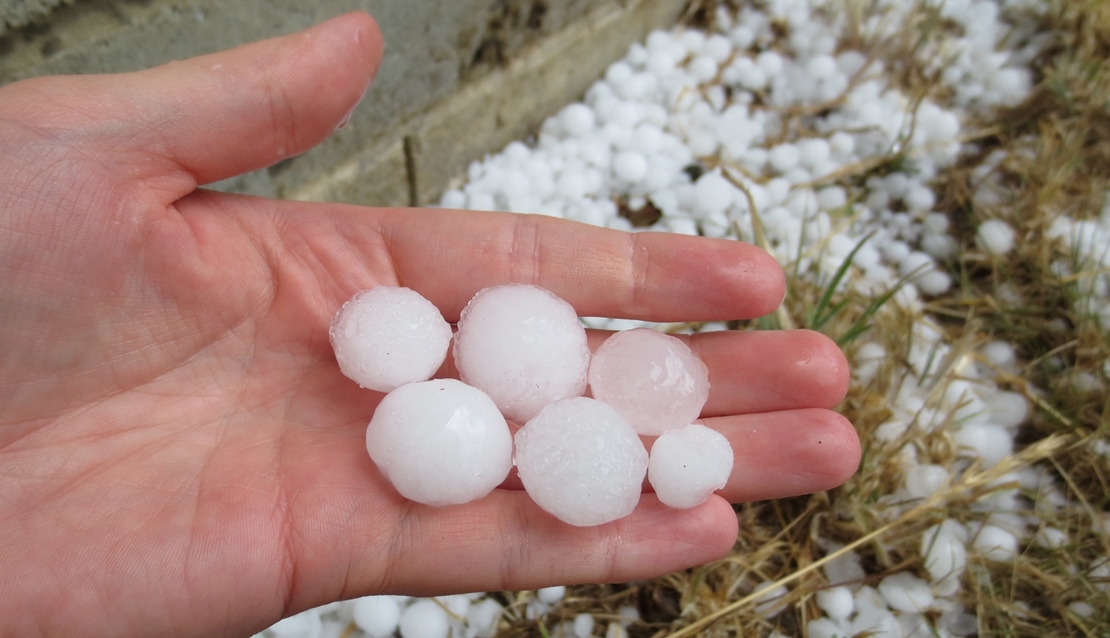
[[933, 177]]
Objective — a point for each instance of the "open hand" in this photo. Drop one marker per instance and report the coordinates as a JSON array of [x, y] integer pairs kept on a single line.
[[179, 453]]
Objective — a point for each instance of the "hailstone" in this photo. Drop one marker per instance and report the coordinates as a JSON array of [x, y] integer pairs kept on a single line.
[[689, 464], [654, 380], [581, 462], [523, 346], [386, 337], [440, 442]]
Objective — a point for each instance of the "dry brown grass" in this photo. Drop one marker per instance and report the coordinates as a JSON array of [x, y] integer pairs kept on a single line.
[[1058, 163]]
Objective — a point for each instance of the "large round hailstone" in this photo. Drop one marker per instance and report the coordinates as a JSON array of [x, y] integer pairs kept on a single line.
[[386, 337], [581, 462], [440, 442], [654, 380], [524, 347], [689, 464]]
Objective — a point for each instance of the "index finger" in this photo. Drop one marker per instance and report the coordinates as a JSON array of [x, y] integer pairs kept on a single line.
[[449, 255]]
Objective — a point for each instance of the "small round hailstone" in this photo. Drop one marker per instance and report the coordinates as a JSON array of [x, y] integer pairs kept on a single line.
[[577, 119], [689, 464], [551, 595], [991, 443], [713, 193], [784, 157], [630, 166], [823, 628], [995, 543], [906, 593], [654, 380], [1008, 409], [583, 626], [376, 615], [424, 619], [306, 623], [482, 616], [922, 481], [581, 462], [524, 347], [703, 68], [995, 236], [837, 602], [440, 442], [386, 337]]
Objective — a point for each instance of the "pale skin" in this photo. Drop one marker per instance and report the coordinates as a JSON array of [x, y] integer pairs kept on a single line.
[[179, 453]]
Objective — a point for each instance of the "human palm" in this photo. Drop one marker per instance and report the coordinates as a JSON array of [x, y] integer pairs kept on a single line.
[[179, 453]]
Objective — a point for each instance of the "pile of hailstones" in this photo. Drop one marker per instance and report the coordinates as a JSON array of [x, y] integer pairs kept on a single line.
[[521, 353]]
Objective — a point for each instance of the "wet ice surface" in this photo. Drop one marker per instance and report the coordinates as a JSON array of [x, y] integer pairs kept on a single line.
[[386, 337], [440, 442], [689, 464], [654, 380], [523, 346], [582, 462]]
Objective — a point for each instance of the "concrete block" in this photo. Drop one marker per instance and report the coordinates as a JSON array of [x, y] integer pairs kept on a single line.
[[510, 104]]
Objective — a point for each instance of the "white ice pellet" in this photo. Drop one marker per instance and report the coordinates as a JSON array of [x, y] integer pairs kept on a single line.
[[703, 68], [995, 236], [523, 346], [306, 624], [386, 337], [837, 602], [551, 595], [824, 628], [1050, 538], [1008, 409], [991, 443], [769, 599], [653, 380], [922, 481], [994, 543], [424, 619], [482, 616], [784, 157], [453, 199], [944, 549], [376, 615], [714, 193], [440, 442], [933, 282], [583, 626], [630, 166], [906, 593], [689, 464], [581, 462]]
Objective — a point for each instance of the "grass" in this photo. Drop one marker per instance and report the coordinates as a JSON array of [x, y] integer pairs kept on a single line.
[[1057, 146]]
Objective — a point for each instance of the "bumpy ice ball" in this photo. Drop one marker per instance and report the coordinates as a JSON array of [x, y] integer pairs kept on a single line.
[[523, 346], [440, 442], [581, 462], [689, 464], [386, 337], [652, 379]]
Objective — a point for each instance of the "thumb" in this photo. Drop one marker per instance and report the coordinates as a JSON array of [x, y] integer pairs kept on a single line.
[[212, 117], [224, 114]]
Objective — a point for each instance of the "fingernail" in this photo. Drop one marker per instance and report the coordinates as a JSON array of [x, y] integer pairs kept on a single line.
[[346, 119]]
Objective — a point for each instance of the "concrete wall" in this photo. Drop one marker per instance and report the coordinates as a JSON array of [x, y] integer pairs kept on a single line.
[[460, 77]]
